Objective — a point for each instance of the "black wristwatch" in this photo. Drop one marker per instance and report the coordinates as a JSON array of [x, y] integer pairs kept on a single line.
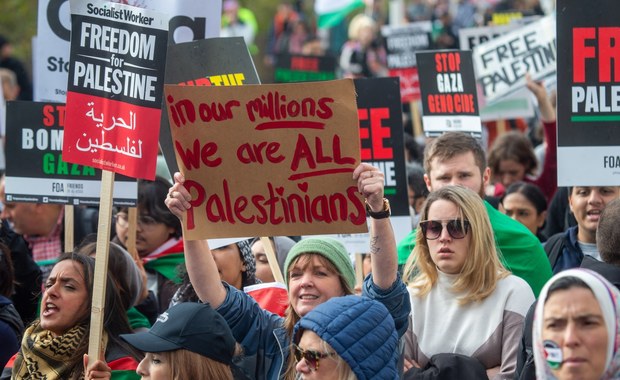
[[385, 213]]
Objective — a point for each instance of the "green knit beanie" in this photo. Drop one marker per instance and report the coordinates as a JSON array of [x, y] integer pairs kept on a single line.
[[331, 249]]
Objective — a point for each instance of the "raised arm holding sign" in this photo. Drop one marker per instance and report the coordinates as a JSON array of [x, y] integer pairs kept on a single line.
[[316, 269], [115, 90]]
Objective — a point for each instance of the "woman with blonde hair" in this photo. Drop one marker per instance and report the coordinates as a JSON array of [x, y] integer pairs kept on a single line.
[[463, 299], [362, 56]]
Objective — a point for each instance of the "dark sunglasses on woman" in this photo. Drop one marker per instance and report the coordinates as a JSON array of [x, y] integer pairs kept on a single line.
[[312, 357], [457, 228]]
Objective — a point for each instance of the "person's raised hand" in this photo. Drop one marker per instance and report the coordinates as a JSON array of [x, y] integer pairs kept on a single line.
[[370, 183], [99, 369], [178, 197]]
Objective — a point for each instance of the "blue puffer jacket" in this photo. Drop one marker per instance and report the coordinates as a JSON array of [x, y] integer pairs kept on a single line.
[[264, 339], [362, 333]]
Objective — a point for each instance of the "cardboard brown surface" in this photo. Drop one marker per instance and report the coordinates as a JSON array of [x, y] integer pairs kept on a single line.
[[268, 160]]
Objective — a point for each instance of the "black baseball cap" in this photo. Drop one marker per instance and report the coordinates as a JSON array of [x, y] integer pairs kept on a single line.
[[192, 326]]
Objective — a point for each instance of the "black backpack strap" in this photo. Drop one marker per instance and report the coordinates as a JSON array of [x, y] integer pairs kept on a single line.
[[526, 369], [554, 248]]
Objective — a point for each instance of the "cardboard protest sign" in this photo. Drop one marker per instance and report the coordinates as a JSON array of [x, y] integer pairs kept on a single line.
[[210, 62], [402, 41], [35, 170], [381, 136], [382, 145], [268, 160], [513, 106], [501, 64], [50, 51], [449, 100], [304, 68], [189, 20], [588, 94], [471, 37], [115, 88]]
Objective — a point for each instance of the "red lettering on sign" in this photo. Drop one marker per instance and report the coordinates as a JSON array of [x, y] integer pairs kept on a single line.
[[192, 157], [587, 44], [275, 206], [197, 82], [248, 153], [304, 152], [609, 50], [184, 111], [53, 114], [305, 63], [447, 62], [451, 103], [195, 202], [378, 133]]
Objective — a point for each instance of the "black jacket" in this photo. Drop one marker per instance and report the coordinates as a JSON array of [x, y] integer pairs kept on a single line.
[[449, 367], [27, 274]]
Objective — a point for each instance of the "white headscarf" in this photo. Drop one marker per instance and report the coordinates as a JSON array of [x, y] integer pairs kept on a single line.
[[608, 297]]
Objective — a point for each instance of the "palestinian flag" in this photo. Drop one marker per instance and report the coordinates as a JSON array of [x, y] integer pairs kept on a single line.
[[332, 12], [271, 296]]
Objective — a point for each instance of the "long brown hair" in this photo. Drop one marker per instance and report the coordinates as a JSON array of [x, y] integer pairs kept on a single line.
[[185, 364], [115, 318], [291, 317]]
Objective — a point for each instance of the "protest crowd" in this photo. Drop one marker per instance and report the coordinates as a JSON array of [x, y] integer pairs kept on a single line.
[[409, 195]]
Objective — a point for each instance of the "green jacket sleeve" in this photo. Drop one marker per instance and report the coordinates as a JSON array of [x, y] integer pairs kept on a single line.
[[520, 251], [405, 247]]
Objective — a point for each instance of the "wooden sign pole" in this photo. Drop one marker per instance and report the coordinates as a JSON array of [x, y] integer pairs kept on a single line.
[[132, 217], [95, 343], [69, 230], [272, 259], [359, 269], [416, 119]]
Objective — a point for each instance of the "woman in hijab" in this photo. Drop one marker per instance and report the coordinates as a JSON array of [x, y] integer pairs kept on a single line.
[[236, 267], [576, 328]]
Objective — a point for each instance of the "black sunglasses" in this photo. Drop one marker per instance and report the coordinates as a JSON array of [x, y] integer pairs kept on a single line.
[[312, 357], [457, 228]]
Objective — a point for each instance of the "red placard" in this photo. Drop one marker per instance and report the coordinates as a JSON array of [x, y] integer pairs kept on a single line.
[[115, 88]]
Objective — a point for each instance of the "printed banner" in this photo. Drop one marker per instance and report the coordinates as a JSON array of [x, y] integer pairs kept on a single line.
[[115, 87], [304, 68], [501, 64], [588, 94], [382, 141], [189, 20], [35, 170], [210, 62], [402, 42], [448, 86], [268, 160], [381, 134]]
